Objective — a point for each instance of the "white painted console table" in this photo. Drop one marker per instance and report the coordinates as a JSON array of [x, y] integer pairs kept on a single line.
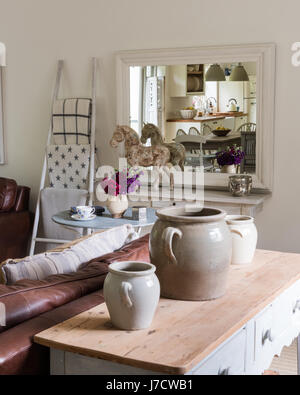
[[235, 335], [246, 205]]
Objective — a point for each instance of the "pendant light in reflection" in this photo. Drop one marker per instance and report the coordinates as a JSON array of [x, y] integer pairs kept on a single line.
[[215, 73]]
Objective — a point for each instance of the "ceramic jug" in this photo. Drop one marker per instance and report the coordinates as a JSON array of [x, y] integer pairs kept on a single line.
[[244, 238], [191, 252], [117, 205], [131, 292]]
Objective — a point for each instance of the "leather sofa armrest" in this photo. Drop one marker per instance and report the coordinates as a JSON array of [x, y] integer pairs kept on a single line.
[[20, 356], [22, 199], [8, 194], [15, 235]]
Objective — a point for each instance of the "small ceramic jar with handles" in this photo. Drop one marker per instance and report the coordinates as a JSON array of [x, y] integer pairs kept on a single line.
[[131, 292], [244, 238]]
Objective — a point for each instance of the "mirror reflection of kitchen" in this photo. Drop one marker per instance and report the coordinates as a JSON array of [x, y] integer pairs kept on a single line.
[[210, 109]]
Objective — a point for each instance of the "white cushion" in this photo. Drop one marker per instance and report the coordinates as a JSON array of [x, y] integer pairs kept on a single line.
[[40, 266]]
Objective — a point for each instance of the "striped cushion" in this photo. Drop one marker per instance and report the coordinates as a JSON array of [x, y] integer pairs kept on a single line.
[[41, 266]]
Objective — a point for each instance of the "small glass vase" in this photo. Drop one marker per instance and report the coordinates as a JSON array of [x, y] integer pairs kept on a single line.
[[117, 205], [231, 169]]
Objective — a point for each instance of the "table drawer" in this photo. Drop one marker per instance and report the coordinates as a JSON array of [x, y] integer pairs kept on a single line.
[[229, 359], [239, 121], [216, 123], [294, 305], [263, 333], [274, 325], [282, 313], [161, 203], [286, 312]]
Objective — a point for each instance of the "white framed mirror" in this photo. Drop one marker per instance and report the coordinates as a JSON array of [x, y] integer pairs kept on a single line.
[[138, 70], [2, 64]]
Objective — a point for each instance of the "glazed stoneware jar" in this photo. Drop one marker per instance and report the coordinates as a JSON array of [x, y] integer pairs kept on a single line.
[[131, 292], [191, 252], [244, 238]]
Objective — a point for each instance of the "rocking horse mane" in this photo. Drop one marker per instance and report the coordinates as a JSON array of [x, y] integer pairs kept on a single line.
[[130, 134], [151, 131], [177, 151], [124, 132]]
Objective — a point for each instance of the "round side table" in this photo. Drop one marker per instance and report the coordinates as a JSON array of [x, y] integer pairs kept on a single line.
[[105, 221]]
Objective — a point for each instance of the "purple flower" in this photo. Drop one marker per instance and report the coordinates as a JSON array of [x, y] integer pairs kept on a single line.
[[122, 182], [230, 156]]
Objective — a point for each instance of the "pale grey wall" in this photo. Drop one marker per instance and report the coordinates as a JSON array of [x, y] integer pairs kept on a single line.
[[38, 32]]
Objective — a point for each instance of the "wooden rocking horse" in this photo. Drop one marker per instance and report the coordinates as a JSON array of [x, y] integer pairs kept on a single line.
[[136, 154], [177, 150]]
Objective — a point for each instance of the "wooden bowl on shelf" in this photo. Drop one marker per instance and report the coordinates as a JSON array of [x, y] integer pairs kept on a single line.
[[221, 132]]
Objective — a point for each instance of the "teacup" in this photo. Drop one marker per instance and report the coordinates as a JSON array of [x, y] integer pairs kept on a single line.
[[85, 212]]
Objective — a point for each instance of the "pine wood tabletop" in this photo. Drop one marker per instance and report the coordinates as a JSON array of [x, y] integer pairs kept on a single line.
[[182, 333]]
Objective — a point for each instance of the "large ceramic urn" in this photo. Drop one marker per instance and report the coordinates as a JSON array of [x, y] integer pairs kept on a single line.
[[191, 252]]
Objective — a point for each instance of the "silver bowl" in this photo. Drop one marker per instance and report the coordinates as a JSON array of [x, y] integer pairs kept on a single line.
[[240, 185]]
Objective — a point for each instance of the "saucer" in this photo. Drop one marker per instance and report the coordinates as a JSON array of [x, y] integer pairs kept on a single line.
[[77, 217]]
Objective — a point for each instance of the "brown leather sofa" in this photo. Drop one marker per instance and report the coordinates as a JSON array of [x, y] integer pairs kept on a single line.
[[15, 221], [33, 306]]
